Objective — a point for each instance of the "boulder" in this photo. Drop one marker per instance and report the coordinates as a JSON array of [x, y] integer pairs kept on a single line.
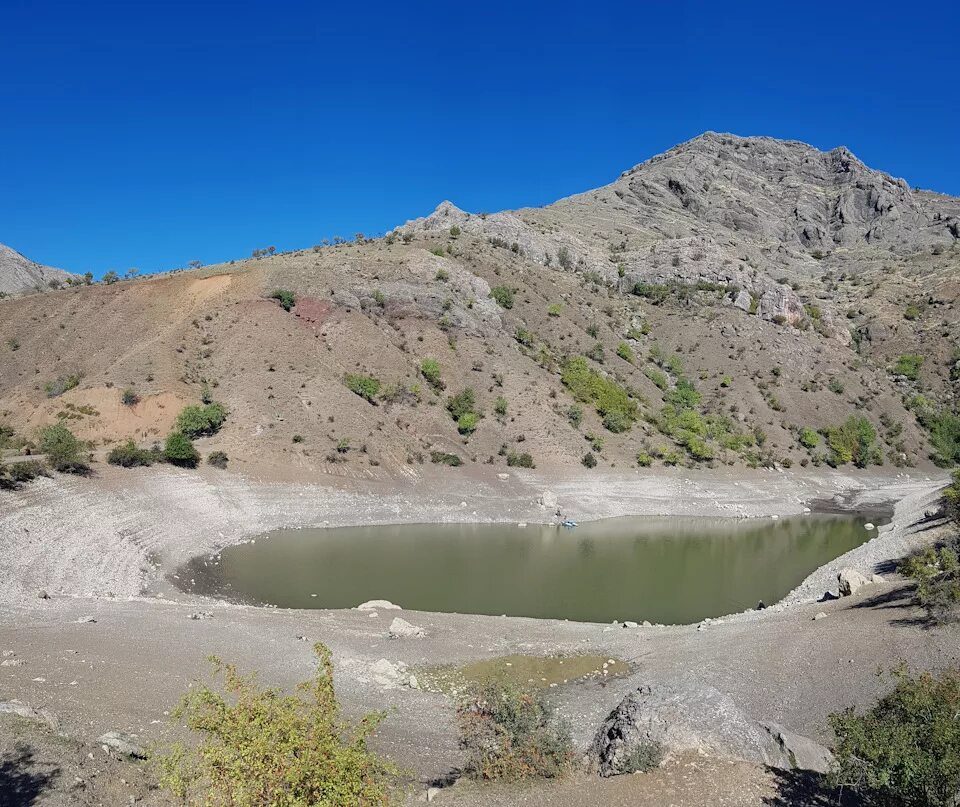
[[548, 500], [122, 743], [373, 605], [695, 717], [850, 581], [400, 628], [389, 675]]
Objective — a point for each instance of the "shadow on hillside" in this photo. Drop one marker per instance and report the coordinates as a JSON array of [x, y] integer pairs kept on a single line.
[[22, 779], [807, 789], [899, 599]]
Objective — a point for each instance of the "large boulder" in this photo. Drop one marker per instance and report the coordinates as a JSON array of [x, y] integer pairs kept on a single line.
[[851, 581], [695, 718]]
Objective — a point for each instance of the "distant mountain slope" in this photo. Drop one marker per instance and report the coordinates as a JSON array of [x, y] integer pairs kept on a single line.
[[18, 274], [734, 301]]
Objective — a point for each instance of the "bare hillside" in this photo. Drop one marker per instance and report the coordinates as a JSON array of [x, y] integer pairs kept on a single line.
[[19, 274], [734, 300]]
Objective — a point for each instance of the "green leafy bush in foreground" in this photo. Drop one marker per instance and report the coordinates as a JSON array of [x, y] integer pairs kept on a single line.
[[510, 733], [263, 748], [905, 750]]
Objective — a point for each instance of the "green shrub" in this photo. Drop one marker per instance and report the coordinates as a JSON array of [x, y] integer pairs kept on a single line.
[[365, 386], [684, 395], [287, 299], [461, 404], [378, 298], [835, 386], [944, 428], [64, 452], [936, 571], [588, 460], [15, 474], [509, 733], [808, 437], [625, 352], [911, 313], [128, 455], [523, 460], [658, 377], [467, 422], [575, 415], [644, 460], [644, 758], [179, 450], [524, 336], [656, 293], [853, 441], [904, 750], [263, 748], [197, 421], [908, 365], [500, 406], [442, 275], [586, 385], [617, 421], [129, 397], [554, 309], [595, 353], [454, 231], [218, 459], [503, 296], [62, 384], [443, 458], [430, 370]]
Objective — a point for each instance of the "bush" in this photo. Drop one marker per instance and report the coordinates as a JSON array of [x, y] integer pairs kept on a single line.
[[430, 370], [554, 309], [585, 384], [128, 455], [15, 474], [262, 747], [589, 461], [218, 459], [908, 365], [461, 404], [936, 571], [853, 441], [644, 460], [500, 406], [179, 450], [503, 296], [129, 397], [625, 352], [287, 299], [808, 438], [64, 452], [520, 460], [442, 458], [575, 415], [365, 386], [905, 750], [196, 421], [911, 313], [467, 422], [63, 384], [944, 429], [644, 758], [509, 733]]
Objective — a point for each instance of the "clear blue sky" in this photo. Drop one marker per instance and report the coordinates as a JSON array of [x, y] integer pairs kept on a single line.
[[148, 134]]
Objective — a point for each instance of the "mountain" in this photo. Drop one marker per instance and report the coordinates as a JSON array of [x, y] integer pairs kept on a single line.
[[731, 301], [19, 274]]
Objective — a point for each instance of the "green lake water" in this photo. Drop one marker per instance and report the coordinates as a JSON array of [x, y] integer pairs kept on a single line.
[[670, 570]]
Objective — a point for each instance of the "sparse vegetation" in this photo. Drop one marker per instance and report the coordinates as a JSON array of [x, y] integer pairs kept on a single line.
[[503, 295], [523, 460], [218, 459], [853, 441], [367, 387], [908, 365], [509, 733], [62, 384], [443, 458], [608, 397], [129, 455], [285, 297], [430, 370]]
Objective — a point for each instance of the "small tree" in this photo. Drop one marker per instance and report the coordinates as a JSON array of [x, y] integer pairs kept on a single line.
[[286, 298], [262, 748], [179, 450]]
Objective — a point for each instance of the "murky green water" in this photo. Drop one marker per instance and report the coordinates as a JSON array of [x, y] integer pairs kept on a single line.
[[675, 570]]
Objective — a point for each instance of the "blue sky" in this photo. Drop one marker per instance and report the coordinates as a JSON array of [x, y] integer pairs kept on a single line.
[[149, 134]]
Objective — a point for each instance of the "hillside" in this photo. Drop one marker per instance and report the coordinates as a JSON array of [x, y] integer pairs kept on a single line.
[[731, 301], [19, 274]]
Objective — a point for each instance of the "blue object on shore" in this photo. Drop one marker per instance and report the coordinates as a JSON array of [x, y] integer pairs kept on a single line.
[[568, 523]]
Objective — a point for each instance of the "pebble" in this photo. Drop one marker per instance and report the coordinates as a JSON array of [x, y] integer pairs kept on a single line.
[[819, 615]]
